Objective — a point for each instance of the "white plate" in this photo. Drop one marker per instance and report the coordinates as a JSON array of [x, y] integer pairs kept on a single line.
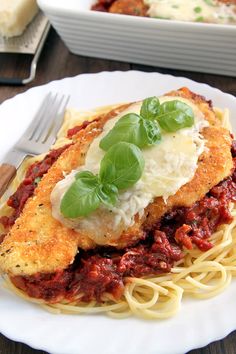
[[199, 321], [164, 43]]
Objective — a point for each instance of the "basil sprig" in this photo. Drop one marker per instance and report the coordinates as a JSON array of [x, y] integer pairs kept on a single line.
[[82, 198], [133, 129], [144, 130], [121, 167]]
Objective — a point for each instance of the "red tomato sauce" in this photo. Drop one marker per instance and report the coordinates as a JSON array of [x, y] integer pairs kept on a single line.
[[26, 189], [103, 270], [71, 132], [102, 5], [126, 7]]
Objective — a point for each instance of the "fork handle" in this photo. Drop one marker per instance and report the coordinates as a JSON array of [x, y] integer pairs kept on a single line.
[[7, 173]]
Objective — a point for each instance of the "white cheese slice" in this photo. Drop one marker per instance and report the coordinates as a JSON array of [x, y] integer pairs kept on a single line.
[[168, 166], [15, 15]]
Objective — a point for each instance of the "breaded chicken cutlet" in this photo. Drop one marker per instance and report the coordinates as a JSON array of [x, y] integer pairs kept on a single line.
[[38, 243]]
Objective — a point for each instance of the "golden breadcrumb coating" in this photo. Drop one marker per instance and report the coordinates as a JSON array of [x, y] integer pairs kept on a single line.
[[38, 243]]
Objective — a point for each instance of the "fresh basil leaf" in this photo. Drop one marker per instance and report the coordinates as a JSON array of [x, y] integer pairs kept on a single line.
[[150, 108], [175, 115], [108, 194], [86, 175], [134, 130], [122, 165], [151, 133], [81, 198], [126, 129]]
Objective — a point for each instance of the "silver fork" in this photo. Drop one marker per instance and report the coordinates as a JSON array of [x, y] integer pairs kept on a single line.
[[37, 138]]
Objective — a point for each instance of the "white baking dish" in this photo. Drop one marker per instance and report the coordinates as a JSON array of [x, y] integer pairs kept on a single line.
[[200, 47]]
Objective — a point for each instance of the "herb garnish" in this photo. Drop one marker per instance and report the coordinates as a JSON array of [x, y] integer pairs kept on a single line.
[[175, 115], [121, 167], [197, 9], [144, 130], [133, 129]]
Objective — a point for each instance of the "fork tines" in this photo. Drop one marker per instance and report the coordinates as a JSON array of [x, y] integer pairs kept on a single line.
[[41, 133]]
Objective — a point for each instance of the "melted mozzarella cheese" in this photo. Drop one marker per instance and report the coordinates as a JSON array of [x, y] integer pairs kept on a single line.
[[168, 166], [192, 10]]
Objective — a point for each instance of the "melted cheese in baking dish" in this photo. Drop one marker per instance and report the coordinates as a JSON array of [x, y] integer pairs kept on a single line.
[[168, 166], [192, 10]]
